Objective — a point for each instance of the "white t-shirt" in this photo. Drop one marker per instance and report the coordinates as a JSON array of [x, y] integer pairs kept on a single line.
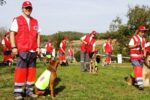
[[14, 25], [3, 42], [131, 43]]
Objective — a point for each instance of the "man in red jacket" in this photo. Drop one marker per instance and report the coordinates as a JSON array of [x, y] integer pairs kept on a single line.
[[86, 48], [7, 58], [107, 49], [137, 50], [25, 42]]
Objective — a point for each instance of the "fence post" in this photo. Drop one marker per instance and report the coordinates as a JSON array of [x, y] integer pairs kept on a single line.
[[119, 58]]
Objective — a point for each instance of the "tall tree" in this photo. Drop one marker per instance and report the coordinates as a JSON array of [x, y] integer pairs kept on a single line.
[[115, 24], [138, 15]]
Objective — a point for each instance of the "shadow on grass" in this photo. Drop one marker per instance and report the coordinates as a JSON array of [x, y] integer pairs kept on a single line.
[[58, 89]]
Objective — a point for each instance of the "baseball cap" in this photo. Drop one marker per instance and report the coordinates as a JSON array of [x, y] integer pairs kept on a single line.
[[26, 4], [93, 32], [142, 28]]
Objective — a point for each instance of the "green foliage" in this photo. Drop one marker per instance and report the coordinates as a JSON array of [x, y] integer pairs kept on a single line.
[[77, 56], [115, 24], [2, 33], [138, 15]]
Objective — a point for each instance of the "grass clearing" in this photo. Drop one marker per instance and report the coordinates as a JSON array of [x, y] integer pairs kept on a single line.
[[108, 84]]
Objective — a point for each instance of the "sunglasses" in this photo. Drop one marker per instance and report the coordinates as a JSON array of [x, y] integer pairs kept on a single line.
[[144, 31]]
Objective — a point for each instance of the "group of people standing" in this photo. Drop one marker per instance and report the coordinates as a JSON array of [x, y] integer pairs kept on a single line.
[[25, 43], [88, 49]]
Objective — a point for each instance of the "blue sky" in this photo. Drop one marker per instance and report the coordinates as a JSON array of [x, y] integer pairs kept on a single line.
[[71, 15]]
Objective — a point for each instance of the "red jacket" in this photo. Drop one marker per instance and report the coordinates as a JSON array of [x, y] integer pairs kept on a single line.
[[26, 39], [108, 47], [137, 53], [49, 47], [7, 44], [89, 46]]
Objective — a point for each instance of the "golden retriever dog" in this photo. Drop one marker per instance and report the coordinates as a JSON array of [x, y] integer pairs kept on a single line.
[[146, 72], [50, 76]]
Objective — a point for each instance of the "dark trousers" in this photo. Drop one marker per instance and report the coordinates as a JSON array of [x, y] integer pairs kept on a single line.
[[84, 61]]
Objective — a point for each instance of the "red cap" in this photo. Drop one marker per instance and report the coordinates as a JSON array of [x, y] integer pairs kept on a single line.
[[27, 4], [142, 28], [93, 32]]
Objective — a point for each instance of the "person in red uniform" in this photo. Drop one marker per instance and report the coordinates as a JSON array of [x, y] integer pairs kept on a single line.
[[107, 49], [137, 46], [7, 58], [61, 51], [86, 48], [71, 53], [49, 50], [25, 42]]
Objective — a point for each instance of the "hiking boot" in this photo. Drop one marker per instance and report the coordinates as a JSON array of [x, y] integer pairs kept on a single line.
[[18, 97]]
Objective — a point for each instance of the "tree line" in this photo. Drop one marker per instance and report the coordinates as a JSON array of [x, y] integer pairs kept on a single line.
[[136, 15]]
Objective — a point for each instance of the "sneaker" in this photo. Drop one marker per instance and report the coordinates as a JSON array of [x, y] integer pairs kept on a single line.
[[18, 97], [33, 96]]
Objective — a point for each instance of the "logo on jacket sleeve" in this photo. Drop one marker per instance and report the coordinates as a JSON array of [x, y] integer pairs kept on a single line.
[[36, 28]]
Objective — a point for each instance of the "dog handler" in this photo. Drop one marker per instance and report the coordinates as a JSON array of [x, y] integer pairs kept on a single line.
[[86, 48], [136, 45], [25, 42], [107, 49]]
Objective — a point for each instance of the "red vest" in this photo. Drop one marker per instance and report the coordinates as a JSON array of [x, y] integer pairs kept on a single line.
[[63, 46], [89, 46], [70, 51], [108, 47], [49, 47], [7, 44], [137, 53], [26, 39]]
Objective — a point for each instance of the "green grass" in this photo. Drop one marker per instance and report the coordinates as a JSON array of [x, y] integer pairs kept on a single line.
[[108, 84]]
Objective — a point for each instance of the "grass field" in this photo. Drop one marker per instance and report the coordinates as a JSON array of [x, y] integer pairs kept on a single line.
[[108, 84]]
